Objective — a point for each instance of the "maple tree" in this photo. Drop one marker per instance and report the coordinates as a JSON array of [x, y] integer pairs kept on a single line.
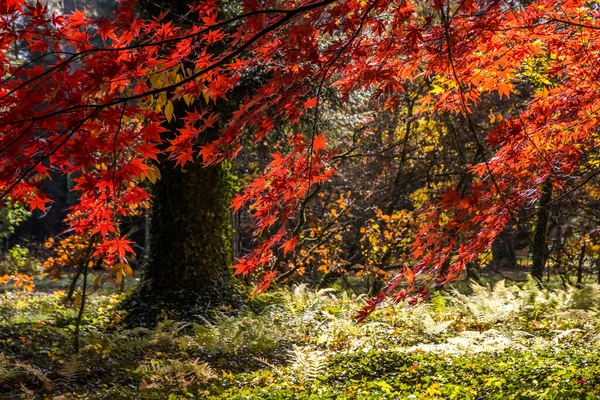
[[72, 111], [189, 228]]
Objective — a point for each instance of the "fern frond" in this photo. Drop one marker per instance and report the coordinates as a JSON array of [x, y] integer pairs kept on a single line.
[[70, 369], [306, 364], [184, 373], [46, 382], [7, 372]]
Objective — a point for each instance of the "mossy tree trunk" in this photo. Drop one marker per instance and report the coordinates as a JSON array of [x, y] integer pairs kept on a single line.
[[539, 243], [190, 236], [190, 231]]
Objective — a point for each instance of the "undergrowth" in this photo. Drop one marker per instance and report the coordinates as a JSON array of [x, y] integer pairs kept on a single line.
[[496, 342]]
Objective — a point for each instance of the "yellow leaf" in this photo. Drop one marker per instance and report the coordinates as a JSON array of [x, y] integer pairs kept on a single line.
[[161, 100], [153, 174], [78, 298], [116, 268], [156, 82], [437, 89], [169, 110], [189, 99]]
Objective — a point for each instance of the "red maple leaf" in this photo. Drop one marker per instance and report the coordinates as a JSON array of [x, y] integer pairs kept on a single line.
[[319, 143]]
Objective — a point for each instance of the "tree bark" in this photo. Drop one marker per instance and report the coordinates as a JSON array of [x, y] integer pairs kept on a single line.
[[190, 230], [503, 251], [580, 265], [540, 248], [472, 274], [190, 234], [190, 237]]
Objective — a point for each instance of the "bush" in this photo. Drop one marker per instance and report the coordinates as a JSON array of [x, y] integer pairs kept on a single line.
[[19, 259]]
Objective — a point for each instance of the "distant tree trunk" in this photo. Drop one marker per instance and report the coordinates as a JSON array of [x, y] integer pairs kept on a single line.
[[73, 284], [503, 251], [540, 248], [329, 279], [580, 265], [472, 274]]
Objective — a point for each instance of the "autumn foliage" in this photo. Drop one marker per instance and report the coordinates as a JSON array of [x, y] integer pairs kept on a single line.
[[97, 93]]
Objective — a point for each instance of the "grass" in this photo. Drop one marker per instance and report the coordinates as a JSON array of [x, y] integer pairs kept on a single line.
[[497, 342]]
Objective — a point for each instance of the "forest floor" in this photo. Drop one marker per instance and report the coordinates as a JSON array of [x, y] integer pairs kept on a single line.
[[503, 342]]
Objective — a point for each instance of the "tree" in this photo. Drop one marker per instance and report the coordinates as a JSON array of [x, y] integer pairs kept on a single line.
[[470, 53], [540, 251], [190, 230], [190, 237]]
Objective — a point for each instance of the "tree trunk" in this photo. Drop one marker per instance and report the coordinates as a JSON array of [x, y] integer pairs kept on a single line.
[[190, 229], [504, 256], [190, 237], [580, 265], [540, 248], [472, 274]]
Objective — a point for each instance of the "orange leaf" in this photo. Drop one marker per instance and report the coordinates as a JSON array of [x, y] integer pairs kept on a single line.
[[310, 103], [319, 143], [289, 245]]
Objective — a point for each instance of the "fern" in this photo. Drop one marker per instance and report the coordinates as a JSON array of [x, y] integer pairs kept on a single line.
[[489, 305], [175, 371], [433, 327], [586, 298], [46, 382], [242, 332], [266, 362], [70, 369], [564, 334], [7, 372], [134, 344], [306, 364], [27, 394], [439, 304]]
